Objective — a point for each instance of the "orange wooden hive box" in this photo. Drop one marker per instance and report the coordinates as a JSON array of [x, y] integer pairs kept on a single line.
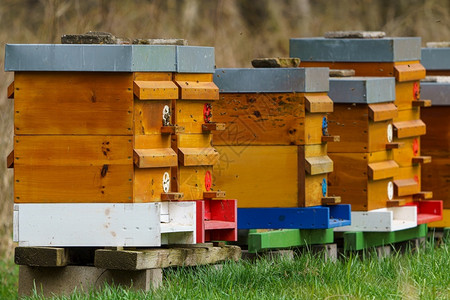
[[274, 148], [111, 123], [397, 57]]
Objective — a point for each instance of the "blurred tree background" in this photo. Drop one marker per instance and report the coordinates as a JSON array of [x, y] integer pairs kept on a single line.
[[240, 30]]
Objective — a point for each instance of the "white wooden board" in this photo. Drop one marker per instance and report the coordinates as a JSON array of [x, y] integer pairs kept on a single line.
[[382, 220], [178, 222], [104, 224]]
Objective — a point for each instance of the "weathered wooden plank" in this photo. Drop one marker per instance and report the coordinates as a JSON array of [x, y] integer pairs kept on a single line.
[[155, 158], [198, 156], [10, 91], [163, 258], [409, 72], [155, 90], [382, 170], [409, 128], [197, 90], [41, 256], [319, 165], [73, 103], [319, 103], [382, 111]]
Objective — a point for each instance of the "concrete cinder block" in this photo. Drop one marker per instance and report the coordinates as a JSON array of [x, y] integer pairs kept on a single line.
[[50, 281]]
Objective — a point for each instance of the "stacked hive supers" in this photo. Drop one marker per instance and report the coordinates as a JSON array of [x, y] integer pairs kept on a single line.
[[437, 140], [97, 146], [274, 150], [385, 57]]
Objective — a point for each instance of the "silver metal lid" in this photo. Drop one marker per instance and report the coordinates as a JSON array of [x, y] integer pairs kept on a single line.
[[436, 58], [272, 80], [389, 49], [109, 58], [365, 90], [437, 92]]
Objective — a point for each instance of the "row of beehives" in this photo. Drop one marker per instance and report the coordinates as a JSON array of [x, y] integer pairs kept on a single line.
[[377, 115], [274, 156], [108, 139]]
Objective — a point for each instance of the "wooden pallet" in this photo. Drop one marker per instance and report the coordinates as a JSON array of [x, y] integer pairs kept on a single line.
[[359, 240], [60, 271]]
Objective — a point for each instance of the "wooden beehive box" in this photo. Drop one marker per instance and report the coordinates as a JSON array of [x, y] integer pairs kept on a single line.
[[382, 57], [95, 123], [364, 168], [273, 150], [437, 140]]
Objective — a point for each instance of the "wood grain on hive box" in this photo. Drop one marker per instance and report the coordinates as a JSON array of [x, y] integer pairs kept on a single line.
[[73, 169], [273, 176], [271, 118], [98, 103], [362, 179], [357, 131]]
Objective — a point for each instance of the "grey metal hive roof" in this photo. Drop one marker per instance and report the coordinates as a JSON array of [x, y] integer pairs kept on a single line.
[[436, 58], [272, 80], [365, 90], [109, 58], [438, 93], [389, 49]]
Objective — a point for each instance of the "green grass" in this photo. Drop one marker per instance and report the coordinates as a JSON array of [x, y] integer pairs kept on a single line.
[[421, 275]]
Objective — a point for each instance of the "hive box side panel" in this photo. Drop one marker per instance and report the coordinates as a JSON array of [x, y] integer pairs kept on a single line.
[[89, 224], [73, 169], [73, 103], [349, 179], [260, 119], [148, 184], [437, 139], [259, 176], [351, 123]]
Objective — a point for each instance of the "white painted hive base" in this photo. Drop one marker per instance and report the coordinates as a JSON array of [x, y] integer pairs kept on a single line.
[[104, 224], [382, 220]]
